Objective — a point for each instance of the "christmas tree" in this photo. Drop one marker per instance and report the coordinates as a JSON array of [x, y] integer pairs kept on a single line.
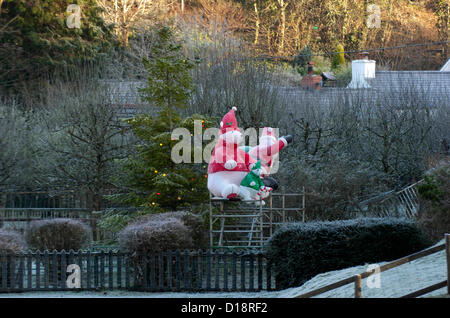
[[153, 180]]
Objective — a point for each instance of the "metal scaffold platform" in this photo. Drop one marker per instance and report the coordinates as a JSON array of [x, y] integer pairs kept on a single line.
[[235, 223]]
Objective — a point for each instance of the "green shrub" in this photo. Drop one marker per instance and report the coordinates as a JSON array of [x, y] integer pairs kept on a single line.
[[58, 234], [300, 251], [343, 75], [301, 60], [338, 59], [434, 203], [321, 64]]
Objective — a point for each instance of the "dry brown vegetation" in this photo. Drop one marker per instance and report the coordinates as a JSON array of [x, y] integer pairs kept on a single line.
[[284, 27]]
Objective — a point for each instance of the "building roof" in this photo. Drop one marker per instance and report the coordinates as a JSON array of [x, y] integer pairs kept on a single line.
[[445, 67], [437, 82]]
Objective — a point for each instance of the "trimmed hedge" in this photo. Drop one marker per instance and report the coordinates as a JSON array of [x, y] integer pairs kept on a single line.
[[300, 251], [147, 236], [193, 222], [11, 242], [163, 235], [58, 234]]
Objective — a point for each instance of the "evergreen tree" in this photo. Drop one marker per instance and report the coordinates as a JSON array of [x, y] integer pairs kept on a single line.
[[37, 35], [155, 181], [339, 58], [300, 62]]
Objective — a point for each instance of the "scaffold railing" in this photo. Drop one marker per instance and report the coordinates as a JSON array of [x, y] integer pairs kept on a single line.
[[244, 224]]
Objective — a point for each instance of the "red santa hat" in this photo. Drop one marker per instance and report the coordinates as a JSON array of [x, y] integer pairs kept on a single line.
[[229, 122]]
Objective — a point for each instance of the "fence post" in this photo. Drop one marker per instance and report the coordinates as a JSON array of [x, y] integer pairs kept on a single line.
[[46, 270], [358, 286], [29, 277], [208, 269], [88, 269], [243, 272], [161, 270], [187, 276], [217, 263], [54, 269], [200, 269], [169, 271], [145, 272], [110, 270], [178, 270], [447, 249]]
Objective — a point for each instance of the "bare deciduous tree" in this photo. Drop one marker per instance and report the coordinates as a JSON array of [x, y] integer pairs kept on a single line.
[[83, 138], [127, 14]]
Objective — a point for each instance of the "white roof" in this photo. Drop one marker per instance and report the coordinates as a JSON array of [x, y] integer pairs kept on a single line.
[[446, 67]]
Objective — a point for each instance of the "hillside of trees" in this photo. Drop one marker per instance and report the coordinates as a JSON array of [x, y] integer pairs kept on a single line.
[[284, 27], [57, 130]]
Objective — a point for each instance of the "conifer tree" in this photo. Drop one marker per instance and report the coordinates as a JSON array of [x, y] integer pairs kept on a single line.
[[339, 58], [155, 181], [40, 37]]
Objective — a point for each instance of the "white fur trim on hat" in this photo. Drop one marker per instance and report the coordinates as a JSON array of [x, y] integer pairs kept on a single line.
[[234, 108]]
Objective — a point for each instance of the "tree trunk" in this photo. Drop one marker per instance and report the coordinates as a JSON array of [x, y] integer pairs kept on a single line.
[[256, 23], [283, 24], [125, 34]]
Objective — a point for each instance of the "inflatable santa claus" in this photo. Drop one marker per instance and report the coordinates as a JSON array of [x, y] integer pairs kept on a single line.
[[229, 163]]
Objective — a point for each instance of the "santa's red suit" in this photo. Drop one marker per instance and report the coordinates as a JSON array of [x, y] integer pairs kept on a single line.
[[268, 148], [229, 164]]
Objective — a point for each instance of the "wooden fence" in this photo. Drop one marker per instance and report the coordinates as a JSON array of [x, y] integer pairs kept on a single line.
[[357, 279], [176, 271]]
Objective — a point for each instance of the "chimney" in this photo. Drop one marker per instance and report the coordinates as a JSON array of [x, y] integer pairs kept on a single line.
[[310, 67], [311, 81], [362, 70]]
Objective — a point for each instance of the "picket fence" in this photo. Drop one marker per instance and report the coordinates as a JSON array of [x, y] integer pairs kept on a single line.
[[191, 271]]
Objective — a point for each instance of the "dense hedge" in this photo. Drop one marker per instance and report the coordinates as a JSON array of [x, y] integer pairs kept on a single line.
[[11, 242], [148, 235], [193, 222], [58, 234], [168, 234], [300, 251]]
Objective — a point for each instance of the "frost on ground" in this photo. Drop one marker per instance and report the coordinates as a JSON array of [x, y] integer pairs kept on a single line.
[[395, 282]]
